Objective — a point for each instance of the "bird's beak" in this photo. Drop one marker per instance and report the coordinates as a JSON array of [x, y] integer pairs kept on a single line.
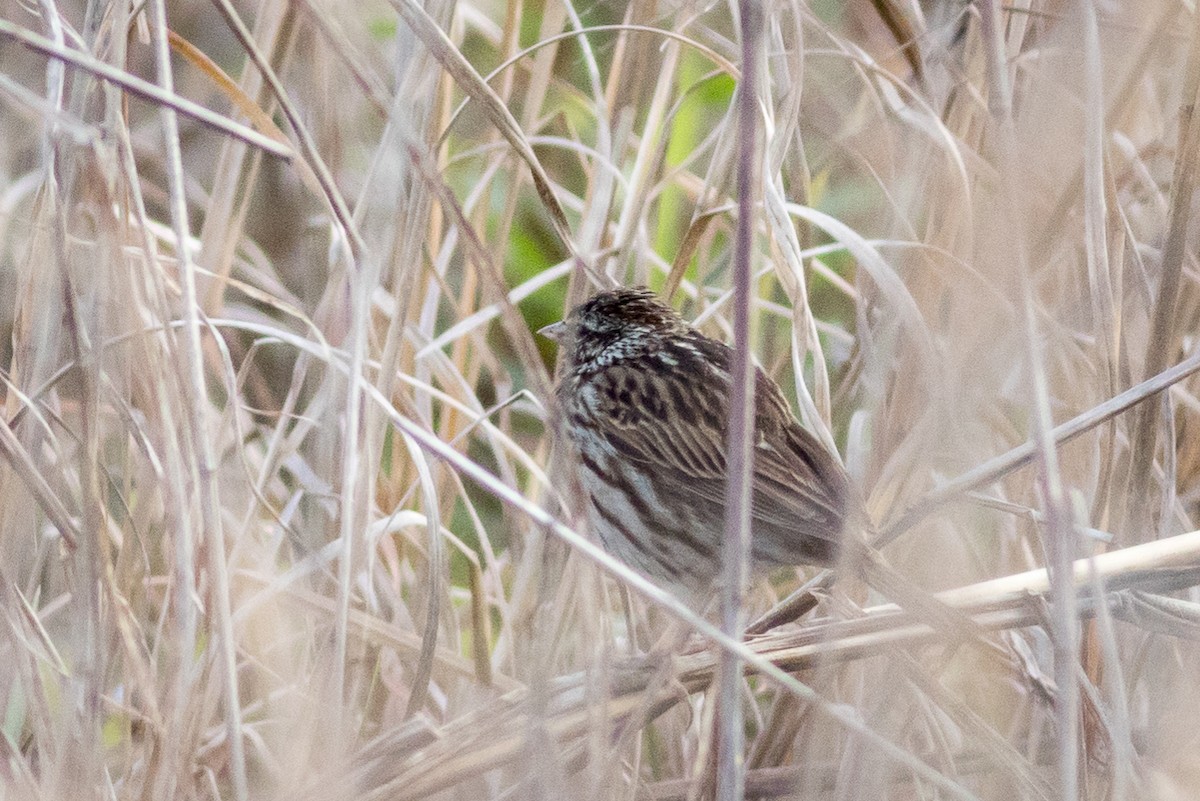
[[553, 331]]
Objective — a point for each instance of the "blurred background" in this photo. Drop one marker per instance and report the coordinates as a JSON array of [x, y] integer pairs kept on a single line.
[[276, 430]]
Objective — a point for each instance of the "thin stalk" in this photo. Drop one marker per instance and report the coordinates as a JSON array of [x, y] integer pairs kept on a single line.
[[1061, 532], [205, 470], [730, 732], [1160, 345], [354, 253], [144, 89]]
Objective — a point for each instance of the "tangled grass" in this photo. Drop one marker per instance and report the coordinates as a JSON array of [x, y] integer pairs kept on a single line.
[[279, 512]]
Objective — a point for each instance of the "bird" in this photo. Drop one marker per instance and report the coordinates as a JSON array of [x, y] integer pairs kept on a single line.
[[643, 401]]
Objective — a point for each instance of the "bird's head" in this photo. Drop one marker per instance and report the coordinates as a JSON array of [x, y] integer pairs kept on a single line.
[[613, 325]]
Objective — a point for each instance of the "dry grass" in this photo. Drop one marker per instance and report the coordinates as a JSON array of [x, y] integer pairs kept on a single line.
[[279, 515]]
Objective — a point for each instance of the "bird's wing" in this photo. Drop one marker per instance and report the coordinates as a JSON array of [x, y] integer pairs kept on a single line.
[[795, 478], [661, 422]]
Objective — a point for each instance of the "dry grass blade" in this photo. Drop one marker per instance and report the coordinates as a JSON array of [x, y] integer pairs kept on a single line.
[[723, 64], [308, 147], [145, 90], [262, 121], [470, 82], [905, 33], [15, 454], [282, 512], [687, 249], [1162, 335], [1011, 602], [211, 533], [996, 468], [982, 475]]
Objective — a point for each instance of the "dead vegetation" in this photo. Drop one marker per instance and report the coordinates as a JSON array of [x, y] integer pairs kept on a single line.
[[279, 512]]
